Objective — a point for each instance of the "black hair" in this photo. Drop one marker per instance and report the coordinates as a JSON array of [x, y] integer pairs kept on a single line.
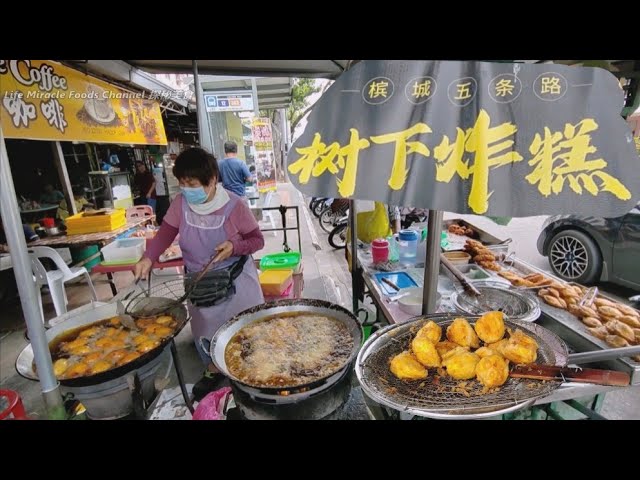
[[77, 190], [196, 163], [230, 147]]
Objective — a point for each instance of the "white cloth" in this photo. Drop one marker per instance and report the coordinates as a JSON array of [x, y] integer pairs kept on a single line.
[[219, 200]]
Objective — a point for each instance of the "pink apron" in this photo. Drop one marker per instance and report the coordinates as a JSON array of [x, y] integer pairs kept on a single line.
[[199, 236]]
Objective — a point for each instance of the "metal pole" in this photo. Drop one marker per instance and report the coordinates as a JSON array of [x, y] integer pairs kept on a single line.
[[432, 262], [353, 227], [204, 133], [26, 287], [254, 90], [64, 177]]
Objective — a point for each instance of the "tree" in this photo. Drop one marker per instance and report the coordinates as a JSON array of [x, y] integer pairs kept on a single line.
[[300, 93]]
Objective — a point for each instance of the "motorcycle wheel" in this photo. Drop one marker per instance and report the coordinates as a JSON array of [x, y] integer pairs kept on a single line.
[[338, 237]]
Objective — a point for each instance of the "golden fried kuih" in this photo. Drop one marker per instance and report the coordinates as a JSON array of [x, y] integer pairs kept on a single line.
[[59, 366], [76, 370], [492, 371], [100, 366], [432, 331], [406, 367], [445, 346], [425, 351], [462, 366], [462, 333], [490, 327], [164, 320]]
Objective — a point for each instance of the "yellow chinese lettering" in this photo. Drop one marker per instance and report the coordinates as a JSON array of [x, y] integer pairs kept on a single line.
[[421, 89], [349, 158], [562, 156], [550, 85], [319, 158], [403, 148], [463, 91], [490, 147], [504, 87], [378, 89]]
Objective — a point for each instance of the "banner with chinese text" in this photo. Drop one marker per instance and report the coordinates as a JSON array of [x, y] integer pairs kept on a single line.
[[265, 161], [471, 137], [43, 100]]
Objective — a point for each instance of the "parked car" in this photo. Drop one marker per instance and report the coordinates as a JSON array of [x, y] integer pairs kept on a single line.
[[592, 249]]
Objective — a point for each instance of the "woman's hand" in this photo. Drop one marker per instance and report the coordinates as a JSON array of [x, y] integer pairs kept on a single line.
[[225, 250], [142, 269]]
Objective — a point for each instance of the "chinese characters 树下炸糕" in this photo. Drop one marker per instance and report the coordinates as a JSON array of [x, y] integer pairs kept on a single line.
[[471, 156]]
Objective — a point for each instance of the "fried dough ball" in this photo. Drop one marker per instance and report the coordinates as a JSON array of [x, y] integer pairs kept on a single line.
[[81, 350], [111, 332], [110, 344], [445, 346], [462, 333], [101, 366], [93, 357], [462, 366], [89, 332], [60, 366], [117, 355], [164, 320], [407, 367], [490, 327], [76, 370], [147, 346], [455, 351], [114, 322], [159, 330], [520, 348], [138, 339], [486, 352], [144, 322], [129, 357], [78, 342], [492, 371], [499, 346], [431, 330], [425, 351]]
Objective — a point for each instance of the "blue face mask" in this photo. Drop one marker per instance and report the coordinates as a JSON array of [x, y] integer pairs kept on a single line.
[[194, 195]]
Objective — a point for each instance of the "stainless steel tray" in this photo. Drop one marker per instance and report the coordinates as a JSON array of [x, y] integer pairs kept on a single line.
[[568, 327]]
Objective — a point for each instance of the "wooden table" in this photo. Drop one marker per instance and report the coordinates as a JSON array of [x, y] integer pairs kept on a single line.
[[101, 238]]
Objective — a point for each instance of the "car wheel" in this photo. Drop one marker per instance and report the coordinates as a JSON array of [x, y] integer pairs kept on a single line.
[[575, 257]]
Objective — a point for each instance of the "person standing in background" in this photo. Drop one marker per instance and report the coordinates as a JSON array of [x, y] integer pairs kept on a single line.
[[51, 196], [145, 182], [234, 173]]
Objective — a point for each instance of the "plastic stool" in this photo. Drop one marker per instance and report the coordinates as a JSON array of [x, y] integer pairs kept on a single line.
[[15, 407]]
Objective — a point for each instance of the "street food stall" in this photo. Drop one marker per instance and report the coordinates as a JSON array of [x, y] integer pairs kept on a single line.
[[397, 107], [47, 101], [470, 160]]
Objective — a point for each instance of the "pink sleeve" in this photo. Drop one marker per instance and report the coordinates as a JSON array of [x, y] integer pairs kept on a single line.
[[249, 238], [161, 242], [174, 213]]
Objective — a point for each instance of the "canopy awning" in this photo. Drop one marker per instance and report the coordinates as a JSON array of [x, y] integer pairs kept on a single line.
[[251, 68]]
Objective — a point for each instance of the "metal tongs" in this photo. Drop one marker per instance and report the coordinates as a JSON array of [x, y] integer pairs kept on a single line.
[[589, 297]]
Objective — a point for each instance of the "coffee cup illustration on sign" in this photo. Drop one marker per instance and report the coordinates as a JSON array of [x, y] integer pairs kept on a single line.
[[98, 105]]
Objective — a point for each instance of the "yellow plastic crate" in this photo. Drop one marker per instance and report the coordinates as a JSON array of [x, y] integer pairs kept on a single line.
[[80, 224]]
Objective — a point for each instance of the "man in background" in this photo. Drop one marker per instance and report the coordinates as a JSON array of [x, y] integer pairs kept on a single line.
[[234, 173], [51, 196], [146, 184]]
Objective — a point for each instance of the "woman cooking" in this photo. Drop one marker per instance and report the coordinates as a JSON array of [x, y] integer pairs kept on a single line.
[[211, 222]]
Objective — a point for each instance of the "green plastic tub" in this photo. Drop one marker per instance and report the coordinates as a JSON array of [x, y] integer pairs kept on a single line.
[[280, 261]]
